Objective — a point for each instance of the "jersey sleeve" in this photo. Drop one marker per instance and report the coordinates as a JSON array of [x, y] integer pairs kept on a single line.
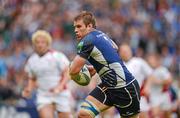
[[62, 60], [165, 74], [28, 69], [84, 48], [146, 69]]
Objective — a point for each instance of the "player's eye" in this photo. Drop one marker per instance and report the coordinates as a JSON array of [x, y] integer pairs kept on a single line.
[[78, 26]]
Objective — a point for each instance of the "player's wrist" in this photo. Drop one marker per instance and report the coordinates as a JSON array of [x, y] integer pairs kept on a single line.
[[29, 90], [74, 75]]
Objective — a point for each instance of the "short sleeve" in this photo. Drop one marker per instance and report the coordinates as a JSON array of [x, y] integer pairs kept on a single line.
[[85, 48], [146, 69], [165, 73], [62, 60], [28, 69]]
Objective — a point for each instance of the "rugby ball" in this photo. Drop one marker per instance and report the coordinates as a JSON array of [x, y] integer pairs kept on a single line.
[[84, 77]]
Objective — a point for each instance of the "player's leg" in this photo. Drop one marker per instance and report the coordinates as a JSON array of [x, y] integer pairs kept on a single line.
[[127, 100], [45, 106], [166, 106], [96, 102], [145, 107], [110, 113], [64, 115], [63, 105], [91, 107], [134, 116], [156, 112], [46, 111]]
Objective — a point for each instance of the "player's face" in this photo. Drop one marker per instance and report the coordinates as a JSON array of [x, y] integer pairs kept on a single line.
[[41, 45], [152, 60], [80, 29], [125, 53]]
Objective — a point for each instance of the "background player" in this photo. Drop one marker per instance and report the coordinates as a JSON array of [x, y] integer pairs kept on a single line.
[[118, 87], [159, 94], [47, 70], [142, 72]]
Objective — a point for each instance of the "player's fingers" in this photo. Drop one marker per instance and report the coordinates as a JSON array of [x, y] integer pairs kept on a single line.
[[25, 94]]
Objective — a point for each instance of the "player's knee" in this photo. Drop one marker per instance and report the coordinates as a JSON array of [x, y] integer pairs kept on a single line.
[[84, 114], [88, 110]]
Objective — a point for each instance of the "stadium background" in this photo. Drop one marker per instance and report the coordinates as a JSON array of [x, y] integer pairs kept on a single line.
[[146, 25]]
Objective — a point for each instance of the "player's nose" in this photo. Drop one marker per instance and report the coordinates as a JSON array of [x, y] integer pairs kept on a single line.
[[76, 30]]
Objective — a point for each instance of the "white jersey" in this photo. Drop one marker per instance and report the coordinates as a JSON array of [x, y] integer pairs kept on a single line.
[[158, 97], [139, 69], [159, 73], [46, 69]]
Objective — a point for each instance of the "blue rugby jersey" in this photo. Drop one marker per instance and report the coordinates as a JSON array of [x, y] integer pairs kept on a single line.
[[99, 50]]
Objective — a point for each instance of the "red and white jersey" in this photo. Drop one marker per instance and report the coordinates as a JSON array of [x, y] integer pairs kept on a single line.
[[47, 69], [139, 69]]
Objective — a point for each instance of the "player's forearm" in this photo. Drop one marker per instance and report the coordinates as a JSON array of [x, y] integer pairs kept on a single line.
[[73, 69], [31, 84], [76, 65], [74, 76], [64, 77]]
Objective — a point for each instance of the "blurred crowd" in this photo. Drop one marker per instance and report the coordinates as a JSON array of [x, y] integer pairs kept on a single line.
[[146, 25]]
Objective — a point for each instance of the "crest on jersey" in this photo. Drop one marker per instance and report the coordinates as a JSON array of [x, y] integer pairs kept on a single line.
[[79, 47]]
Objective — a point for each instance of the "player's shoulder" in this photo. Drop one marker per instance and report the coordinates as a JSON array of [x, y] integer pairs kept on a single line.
[[137, 60], [85, 42], [32, 56], [57, 54], [93, 35], [162, 69], [88, 38]]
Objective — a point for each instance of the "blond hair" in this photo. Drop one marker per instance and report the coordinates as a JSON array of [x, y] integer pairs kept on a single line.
[[42, 33]]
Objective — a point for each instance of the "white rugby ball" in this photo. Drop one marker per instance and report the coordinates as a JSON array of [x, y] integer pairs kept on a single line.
[[84, 77]]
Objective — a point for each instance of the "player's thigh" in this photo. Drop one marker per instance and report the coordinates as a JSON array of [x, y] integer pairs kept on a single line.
[[63, 103], [101, 107], [110, 112], [64, 115], [91, 107], [47, 111], [134, 116]]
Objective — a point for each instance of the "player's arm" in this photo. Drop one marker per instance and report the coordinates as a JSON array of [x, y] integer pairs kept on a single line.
[[31, 85], [168, 80], [76, 66], [65, 76], [62, 83], [147, 71], [92, 70], [84, 50], [147, 85], [63, 66], [30, 78]]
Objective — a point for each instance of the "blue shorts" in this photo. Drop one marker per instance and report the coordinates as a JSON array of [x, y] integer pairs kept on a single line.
[[126, 99]]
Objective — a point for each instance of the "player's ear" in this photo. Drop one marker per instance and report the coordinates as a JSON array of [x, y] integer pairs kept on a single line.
[[90, 25]]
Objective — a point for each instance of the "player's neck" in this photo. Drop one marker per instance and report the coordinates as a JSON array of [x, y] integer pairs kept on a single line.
[[43, 53]]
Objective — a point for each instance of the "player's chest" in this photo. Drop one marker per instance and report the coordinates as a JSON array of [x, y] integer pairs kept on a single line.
[[46, 64]]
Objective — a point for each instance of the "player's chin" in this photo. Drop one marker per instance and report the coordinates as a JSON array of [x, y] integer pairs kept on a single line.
[[78, 38]]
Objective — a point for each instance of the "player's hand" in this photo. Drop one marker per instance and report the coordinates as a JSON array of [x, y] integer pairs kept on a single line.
[[92, 70], [145, 92], [56, 90], [26, 93]]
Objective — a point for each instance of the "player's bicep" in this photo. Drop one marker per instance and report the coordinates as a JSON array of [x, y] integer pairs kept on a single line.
[[77, 64], [28, 72]]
